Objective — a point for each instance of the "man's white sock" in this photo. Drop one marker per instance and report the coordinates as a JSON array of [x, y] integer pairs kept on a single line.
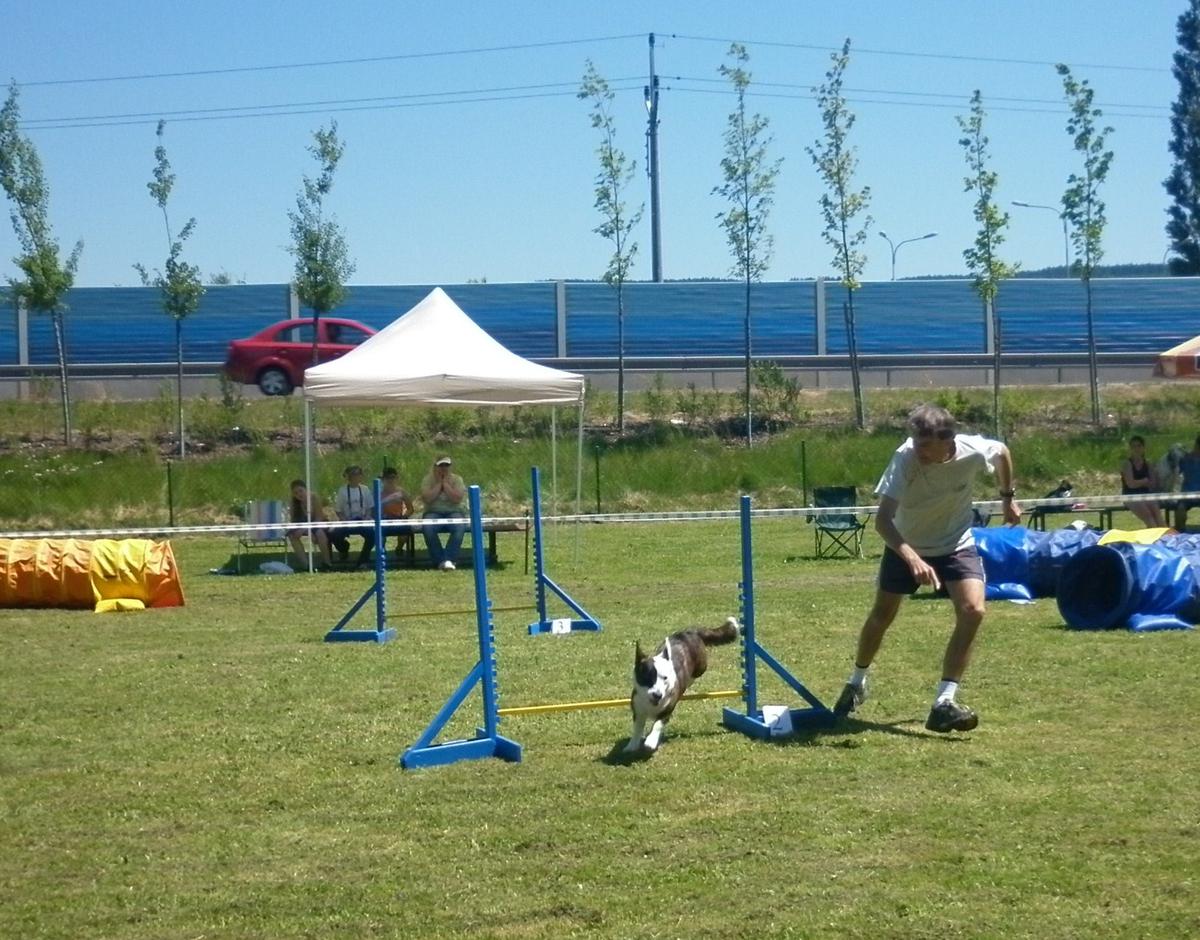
[[859, 676], [946, 691]]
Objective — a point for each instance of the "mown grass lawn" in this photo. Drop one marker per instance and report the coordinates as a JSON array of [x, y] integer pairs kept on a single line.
[[218, 771]]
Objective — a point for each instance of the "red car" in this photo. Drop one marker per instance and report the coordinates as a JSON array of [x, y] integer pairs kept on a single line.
[[274, 359]]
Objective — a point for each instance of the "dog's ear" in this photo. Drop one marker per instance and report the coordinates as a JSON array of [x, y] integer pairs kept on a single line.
[[638, 655], [667, 650]]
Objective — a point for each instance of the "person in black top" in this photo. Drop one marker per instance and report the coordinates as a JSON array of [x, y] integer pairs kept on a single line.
[[1137, 478]]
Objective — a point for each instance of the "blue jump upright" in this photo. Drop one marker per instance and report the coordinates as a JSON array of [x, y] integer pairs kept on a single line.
[[751, 722], [378, 590], [542, 581], [488, 742]]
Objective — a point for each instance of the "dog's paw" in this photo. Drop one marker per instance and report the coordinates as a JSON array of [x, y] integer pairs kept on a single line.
[[632, 747]]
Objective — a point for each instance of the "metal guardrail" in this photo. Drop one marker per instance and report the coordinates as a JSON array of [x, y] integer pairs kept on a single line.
[[868, 362]]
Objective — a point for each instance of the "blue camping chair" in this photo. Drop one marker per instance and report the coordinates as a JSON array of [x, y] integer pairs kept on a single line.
[[837, 533]]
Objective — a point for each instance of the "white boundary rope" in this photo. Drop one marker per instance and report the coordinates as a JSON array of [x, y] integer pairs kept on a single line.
[[392, 526]]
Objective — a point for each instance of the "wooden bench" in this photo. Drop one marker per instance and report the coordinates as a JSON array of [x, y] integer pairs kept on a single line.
[[408, 553], [1037, 515]]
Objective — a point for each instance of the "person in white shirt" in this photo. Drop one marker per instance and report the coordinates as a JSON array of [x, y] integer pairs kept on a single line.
[[925, 519], [354, 502]]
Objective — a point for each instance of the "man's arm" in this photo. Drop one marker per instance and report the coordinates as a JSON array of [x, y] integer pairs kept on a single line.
[[1007, 486], [885, 525], [455, 488]]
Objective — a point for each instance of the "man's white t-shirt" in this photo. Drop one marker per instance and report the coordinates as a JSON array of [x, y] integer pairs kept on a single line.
[[934, 500], [354, 502]]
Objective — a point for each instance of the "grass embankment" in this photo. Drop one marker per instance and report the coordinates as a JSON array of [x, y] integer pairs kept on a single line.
[[218, 771], [684, 450]]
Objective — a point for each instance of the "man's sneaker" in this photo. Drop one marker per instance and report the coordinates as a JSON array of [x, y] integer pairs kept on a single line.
[[852, 696], [447, 565], [951, 716]]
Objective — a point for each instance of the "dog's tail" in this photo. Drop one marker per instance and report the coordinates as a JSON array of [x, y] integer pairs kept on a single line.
[[725, 633]]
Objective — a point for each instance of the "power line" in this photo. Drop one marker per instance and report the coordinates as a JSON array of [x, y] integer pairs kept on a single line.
[[924, 55], [925, 94], [328, 62], [235, 110]]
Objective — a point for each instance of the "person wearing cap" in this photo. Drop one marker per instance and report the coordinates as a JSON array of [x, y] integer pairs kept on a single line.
[[444, 496], [353, 502]]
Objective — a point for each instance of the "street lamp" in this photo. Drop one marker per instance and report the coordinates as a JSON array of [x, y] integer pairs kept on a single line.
[[1066, 235], [896, 247]]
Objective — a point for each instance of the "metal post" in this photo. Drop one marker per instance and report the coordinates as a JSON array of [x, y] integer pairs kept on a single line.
[[170, 496], [597, 453], [651, 96]]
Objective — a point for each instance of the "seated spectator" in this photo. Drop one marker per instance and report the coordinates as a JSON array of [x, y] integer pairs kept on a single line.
[[1189, 471], [444, 496], [1137, 478], [301, 501], [395, 504], [354, 503]]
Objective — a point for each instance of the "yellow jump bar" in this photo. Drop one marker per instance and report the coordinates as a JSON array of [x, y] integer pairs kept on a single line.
[[604, 703]]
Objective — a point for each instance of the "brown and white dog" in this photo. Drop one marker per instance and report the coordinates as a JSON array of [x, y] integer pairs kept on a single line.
[[660, 680]]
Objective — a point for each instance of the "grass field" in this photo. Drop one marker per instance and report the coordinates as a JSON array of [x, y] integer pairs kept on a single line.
[[217, 771]]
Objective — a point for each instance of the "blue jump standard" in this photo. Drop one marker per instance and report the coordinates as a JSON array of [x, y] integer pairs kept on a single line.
[[378, 590], [751, 722], [488, 742], [541, 581]]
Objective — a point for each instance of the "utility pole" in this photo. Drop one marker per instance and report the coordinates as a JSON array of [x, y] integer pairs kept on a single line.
[[651, 96]]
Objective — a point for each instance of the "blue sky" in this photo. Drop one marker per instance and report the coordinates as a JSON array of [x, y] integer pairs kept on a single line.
[[441, 189]]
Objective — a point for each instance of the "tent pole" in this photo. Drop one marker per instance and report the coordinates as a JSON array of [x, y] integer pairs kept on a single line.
[[554, 458], [578, 477], [308, 477]]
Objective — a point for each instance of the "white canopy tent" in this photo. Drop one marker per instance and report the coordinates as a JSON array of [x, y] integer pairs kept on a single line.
[[437, 355]]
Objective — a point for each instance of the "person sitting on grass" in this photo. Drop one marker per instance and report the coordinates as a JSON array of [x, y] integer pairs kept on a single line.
[[354, 503], [395, 504], [1137, 478], [444, 496], [924, 520], [301, 504]]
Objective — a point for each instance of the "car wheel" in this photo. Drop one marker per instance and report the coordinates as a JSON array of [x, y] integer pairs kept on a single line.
[[275, 382]]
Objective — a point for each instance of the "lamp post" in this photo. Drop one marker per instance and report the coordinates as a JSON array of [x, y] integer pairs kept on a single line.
[[1066, 233], [896, 247], [650, 95]]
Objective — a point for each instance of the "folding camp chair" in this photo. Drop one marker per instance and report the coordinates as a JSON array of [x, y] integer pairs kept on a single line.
[[837, 532], [268, 515]]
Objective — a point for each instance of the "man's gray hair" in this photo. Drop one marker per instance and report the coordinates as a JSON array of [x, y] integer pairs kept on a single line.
[[927, 420]]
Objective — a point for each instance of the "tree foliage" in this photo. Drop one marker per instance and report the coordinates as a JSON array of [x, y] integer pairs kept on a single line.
[[1082, 204], [1183, 185], [45, 277], [836, 162], [323, 262], [179, 282], [616, 221], [749, 188], [982, 258]]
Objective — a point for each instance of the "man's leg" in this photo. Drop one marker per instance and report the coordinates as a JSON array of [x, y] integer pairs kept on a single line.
[[368, 537], [947, 714], [870, 638], [430, 532], [454, 542]]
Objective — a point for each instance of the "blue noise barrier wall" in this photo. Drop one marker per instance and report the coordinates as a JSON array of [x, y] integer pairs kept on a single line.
[[1142, 587], [1022, 564]]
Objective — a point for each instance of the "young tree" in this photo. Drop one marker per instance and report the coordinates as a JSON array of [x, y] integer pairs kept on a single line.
[[982, 259], [180, 284], [46, 278], [1082, 204], [1183, 185], [749, 188], [323, 264], [836, 162], [617, 223]]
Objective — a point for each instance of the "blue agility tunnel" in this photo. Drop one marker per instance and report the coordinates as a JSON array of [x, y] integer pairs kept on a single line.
[[1142, 587], [1021, 564]]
